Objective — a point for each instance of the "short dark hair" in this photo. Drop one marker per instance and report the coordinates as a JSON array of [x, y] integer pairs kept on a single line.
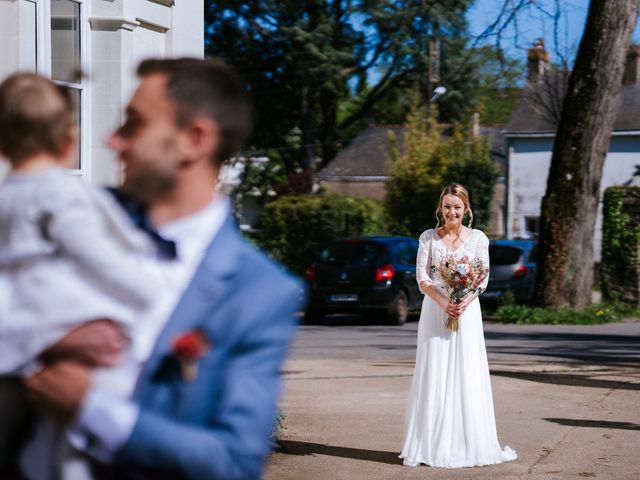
[[206, 87], [36, 116]]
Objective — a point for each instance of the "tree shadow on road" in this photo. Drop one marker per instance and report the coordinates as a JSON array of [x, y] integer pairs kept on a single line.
[[571, 422], [568, 379], [292, 447], [584, 347]]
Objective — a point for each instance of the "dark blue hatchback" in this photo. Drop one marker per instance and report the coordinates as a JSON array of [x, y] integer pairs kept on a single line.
[[365, 275], [513, 271]]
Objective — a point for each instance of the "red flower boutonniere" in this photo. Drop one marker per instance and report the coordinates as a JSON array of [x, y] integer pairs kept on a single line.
[[189, 348]]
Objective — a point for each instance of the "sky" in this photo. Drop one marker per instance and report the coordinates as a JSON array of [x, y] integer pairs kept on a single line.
[[534, 24]]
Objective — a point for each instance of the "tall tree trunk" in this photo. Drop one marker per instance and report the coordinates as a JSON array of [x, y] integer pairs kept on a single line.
[[329, 107], [308, 129], [570, 204]]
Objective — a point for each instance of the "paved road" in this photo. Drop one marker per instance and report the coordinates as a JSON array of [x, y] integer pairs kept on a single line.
[[349, 337], [566, 398]]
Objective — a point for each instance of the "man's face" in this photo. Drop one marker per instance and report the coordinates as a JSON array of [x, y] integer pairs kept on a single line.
[[148, 142]]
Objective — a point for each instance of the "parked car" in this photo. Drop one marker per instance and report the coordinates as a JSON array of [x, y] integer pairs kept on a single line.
[[513, 269], [372, 275]]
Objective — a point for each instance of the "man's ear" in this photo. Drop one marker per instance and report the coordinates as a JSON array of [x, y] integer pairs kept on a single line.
[[200, 139]]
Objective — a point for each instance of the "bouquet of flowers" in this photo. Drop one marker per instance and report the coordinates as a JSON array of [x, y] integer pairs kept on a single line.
[[461, 277]]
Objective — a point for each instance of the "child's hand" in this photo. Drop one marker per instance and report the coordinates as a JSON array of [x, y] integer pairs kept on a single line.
[[99, 343]]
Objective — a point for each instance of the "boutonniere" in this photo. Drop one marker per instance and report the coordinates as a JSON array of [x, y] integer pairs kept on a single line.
[[189, 348]]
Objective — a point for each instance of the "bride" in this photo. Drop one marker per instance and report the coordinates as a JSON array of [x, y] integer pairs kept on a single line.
[[450, 420]]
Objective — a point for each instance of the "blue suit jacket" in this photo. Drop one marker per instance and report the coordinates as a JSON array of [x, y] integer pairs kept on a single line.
[[219, 425]]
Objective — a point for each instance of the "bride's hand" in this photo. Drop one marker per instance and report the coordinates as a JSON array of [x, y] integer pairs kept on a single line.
[[462, 306], [449, 308]]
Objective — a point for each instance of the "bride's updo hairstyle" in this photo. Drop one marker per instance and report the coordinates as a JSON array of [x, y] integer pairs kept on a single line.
[[460, 192]]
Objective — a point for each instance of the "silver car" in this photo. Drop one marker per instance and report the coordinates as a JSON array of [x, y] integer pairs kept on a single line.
[[513, 271]]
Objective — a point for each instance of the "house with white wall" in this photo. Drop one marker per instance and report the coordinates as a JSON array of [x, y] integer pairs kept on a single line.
[[105, 40], [530, 136]]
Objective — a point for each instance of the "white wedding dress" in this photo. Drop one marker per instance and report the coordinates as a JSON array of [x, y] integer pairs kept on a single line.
[[450, 420]]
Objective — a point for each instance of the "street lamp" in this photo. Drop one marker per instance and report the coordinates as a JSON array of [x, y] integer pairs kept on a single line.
[[437, 93]]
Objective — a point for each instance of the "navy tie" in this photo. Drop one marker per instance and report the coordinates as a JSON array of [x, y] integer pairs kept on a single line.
[[138, 213]]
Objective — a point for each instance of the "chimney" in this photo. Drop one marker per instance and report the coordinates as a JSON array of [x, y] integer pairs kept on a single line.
[[632, 67], [538, 61]]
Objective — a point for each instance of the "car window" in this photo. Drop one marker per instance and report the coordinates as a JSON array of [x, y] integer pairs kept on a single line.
[[533, 256], [406, 252], [353, 252], [503, 255]]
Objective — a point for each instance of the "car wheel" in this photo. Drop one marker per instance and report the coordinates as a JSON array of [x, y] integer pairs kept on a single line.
[[313, 317], [399, 309]]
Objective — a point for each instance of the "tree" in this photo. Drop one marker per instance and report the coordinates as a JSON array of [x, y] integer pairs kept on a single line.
[[417, 171], [498, 84], [428, 161], [473, 167], [493, 90], [321, 66], [565, 276]]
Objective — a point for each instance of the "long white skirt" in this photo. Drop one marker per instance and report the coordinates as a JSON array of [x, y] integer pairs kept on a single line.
[[450, 420]]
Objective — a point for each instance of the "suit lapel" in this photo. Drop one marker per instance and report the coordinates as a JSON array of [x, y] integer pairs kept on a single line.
[[209, 286]]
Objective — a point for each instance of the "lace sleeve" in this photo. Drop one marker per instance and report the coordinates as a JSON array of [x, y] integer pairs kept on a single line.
[[482, 252], [423, 262]]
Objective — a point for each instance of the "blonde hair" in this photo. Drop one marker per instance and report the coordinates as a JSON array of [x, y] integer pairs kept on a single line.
[[460, 192], [36, 116]]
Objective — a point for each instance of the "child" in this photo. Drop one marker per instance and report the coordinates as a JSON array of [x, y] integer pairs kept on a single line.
[[68, 253]]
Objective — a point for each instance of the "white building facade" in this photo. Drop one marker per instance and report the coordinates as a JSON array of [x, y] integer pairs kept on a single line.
[[530, 136], [529, 159], [105, 40]]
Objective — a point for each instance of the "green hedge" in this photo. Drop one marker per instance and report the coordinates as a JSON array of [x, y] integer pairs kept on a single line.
[[294, 228], [620, 241], [591, 315]]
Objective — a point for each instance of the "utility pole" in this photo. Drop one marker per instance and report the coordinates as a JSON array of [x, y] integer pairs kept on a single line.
[[433, 76]]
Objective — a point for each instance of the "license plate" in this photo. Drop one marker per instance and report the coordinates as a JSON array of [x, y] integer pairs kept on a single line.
[[343, 297]]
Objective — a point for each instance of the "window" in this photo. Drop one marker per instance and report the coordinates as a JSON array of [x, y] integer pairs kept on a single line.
[[353, 252], [532, 226], [66, 59], [65, 41], [406, 252], [501, 255]]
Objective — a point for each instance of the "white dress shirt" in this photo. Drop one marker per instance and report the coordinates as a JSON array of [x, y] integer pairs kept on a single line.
[[106, 419]]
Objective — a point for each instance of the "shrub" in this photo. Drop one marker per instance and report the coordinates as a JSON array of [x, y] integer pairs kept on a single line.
[[472, 166], [416, 179], [591, 315], [428, 162], [620, 241], [294, 228]]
